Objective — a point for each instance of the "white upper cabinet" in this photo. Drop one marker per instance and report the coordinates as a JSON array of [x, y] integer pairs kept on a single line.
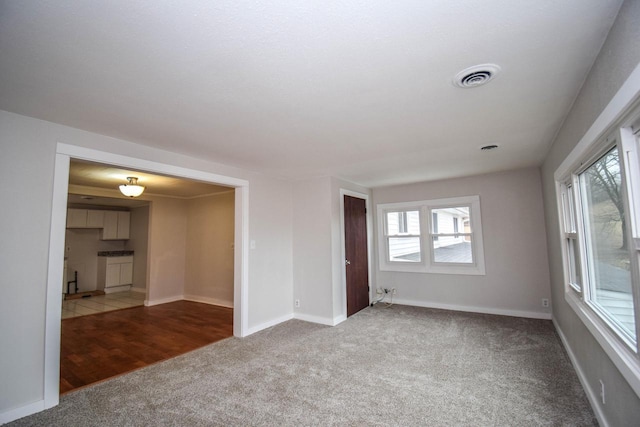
[[95, 219], [76, 218], [116, 225]]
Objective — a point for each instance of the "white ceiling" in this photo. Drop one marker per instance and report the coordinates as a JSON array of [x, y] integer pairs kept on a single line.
[[359, 89]]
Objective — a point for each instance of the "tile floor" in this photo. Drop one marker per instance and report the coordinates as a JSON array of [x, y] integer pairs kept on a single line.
[[101, 303]]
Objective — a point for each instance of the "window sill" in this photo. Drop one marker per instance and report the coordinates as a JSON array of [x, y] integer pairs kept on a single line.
[[621, 355], [434, 269]]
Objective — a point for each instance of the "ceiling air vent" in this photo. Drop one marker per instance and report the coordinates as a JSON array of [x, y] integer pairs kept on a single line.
[[476, 75]]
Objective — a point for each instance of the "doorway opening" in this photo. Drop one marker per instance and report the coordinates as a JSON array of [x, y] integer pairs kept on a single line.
[[111, 245], [64, 155]]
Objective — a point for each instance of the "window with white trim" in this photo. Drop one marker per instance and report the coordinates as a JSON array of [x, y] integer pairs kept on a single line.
[[448, 245], [425, 236], [402, 235], [598, 193]]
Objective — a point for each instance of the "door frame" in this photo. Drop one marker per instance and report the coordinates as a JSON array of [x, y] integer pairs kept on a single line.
[[53, 314], [343, 269]]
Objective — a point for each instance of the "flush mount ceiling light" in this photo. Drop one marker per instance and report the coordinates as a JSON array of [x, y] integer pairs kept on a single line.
[[475, 76], [132, 189]]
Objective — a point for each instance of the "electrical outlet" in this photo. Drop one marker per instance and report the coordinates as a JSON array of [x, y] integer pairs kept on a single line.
[[602, 391], [297, 303], [545, 302]]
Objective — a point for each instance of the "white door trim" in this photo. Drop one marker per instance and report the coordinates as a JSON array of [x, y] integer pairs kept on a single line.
[[64, 152]]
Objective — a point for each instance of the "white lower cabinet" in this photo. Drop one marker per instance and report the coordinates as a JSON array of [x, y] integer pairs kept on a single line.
[[115, 273]]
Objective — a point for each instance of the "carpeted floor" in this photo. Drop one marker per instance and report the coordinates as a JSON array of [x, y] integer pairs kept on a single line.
[[401, 365]]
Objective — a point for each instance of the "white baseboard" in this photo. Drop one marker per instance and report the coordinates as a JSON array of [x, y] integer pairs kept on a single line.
[[473, 309], [339, 319], [150, 303], [591, 395], [268, 324], [139, 290], [313, 319], [207, 300], [21, 412]]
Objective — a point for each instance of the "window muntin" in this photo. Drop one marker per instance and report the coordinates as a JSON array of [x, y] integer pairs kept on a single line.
[[403, 236], [430, 235], [448, 245], [607, 256]]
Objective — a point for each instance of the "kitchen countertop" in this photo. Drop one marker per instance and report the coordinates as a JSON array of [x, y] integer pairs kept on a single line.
[[115, 253]]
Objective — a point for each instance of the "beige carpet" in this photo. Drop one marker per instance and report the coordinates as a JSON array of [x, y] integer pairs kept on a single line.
[[397, 366]]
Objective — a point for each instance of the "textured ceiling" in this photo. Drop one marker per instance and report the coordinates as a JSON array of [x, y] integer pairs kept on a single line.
[[358, 89]]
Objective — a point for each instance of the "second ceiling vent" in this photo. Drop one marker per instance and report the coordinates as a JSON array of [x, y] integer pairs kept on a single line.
[[477, 75]]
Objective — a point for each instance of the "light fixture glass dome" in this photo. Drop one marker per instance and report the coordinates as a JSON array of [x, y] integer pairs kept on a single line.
[[132, 189]]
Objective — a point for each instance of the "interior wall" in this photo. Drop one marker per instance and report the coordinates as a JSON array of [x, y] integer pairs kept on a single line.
[[138, 243], [517, 274], [618, 57], [271, 256], [28, 151], [167, 250], [210, 240], [312, 252], [318, 258], [81, 249]]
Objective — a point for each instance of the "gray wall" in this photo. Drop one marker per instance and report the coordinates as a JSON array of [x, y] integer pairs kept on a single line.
[[517, 275], [28, 149], [619, 55], [139, 242], [317, 261], [210, 234]]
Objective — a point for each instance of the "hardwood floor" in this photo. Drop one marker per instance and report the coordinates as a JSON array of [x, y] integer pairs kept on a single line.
[[101, 346]]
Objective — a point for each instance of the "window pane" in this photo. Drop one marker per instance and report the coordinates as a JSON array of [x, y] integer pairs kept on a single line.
[[607, 246], [571, 226], [413, 222], [452, 249], [574, 264], [444, 219], [404, 249], [403, 222]]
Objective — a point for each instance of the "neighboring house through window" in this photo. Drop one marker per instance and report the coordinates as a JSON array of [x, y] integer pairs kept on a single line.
[[402, 235], [405, 246]]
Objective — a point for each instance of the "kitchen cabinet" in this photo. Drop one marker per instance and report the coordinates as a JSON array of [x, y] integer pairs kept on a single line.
[[85, 218], [95, 219], [115, 273], [76, 218], [116, 225]]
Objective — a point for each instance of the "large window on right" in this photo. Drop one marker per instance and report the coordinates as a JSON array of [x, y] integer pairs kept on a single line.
[[599, 200], [607, 252]]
